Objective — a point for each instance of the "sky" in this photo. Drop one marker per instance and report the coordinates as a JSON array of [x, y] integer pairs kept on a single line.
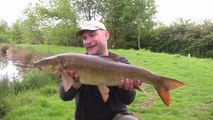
[[168, 10], [195, 10], [12, 10]]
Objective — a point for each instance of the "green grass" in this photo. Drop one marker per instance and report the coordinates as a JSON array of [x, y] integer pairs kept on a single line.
[[42, 104], [194, 101]]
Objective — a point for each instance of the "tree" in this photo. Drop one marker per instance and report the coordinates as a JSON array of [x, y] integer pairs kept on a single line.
[[32, 26], [126, 19], [86, 9], [140, 14], [111, 12], [4, 29], [16, 33], [51, 22], [61, 19]]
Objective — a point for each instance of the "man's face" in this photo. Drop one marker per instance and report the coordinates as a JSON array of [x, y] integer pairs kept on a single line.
[[95, 42]]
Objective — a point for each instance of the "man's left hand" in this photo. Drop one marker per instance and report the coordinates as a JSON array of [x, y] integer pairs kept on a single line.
[[128, 84]]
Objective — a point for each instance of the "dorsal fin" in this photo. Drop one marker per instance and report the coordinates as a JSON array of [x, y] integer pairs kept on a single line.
[[111, 58]]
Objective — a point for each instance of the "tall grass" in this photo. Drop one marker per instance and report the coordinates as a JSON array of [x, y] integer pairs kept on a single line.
[[4, 87], [33, 79]]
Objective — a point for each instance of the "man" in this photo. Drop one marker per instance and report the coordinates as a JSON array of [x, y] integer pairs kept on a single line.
[[89, 103]]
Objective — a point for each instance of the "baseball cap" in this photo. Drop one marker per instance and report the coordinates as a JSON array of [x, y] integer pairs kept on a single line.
[[91, 25]]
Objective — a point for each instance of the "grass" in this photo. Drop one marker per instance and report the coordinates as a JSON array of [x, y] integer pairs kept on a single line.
[[42, 104], [194, 101]]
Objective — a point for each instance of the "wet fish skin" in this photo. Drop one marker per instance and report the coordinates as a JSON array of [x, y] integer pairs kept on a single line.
[[103, 71]]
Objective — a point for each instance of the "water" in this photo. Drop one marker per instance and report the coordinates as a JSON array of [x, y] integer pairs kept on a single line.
[[9, 71]]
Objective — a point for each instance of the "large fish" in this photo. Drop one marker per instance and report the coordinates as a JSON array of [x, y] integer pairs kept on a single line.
[[105, 71]]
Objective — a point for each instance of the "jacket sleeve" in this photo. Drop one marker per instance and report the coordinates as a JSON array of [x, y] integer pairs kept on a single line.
[[69, 95], [125, 96]]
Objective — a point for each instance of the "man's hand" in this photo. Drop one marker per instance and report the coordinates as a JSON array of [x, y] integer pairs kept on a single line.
[[75, 77], [128, 84], [71, 73]]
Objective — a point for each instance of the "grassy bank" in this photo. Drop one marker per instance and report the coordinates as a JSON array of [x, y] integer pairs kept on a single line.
[[194, 101]]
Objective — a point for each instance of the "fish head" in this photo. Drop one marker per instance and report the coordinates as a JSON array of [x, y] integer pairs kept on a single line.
[[49, 64]]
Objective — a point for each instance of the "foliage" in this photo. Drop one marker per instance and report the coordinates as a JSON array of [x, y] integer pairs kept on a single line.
[[4, 89], [121, 18], [46, 22], [184, 37], [125, 18], [4, 28], [32, 27], [16, 33], [86, 9], [61, 22]]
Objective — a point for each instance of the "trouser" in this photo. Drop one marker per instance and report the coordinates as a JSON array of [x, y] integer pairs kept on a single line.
[[124, 117]]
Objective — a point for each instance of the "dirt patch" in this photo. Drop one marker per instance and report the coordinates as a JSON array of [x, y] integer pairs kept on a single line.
[[205, 106]]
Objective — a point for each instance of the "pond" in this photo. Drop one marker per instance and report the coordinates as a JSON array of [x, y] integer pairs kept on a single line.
[[9, 71]]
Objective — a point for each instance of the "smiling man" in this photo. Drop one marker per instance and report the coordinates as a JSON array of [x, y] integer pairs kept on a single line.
[[89, 102]]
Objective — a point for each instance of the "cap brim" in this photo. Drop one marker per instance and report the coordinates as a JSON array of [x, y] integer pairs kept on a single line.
[[79, 33]]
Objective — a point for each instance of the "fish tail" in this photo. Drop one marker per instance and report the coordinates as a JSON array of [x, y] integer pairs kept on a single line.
[[164, 87]]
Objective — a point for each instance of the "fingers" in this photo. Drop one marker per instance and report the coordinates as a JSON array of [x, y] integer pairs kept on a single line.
[[121, 84], [139, 82], [71, 73], [75, 77], [127, 84]]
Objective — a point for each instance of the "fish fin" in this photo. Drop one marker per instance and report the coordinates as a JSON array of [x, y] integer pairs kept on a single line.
[[164, 87], [140, 88], [171, 84], [66, 81], [164, 95], [104, 90]]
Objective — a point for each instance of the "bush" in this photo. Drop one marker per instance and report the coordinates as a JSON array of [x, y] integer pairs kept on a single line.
[[209, 54], [4, 108]]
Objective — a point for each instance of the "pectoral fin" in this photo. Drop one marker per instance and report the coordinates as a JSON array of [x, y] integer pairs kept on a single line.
[[104, 92], [67, 81], [140, 88]]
